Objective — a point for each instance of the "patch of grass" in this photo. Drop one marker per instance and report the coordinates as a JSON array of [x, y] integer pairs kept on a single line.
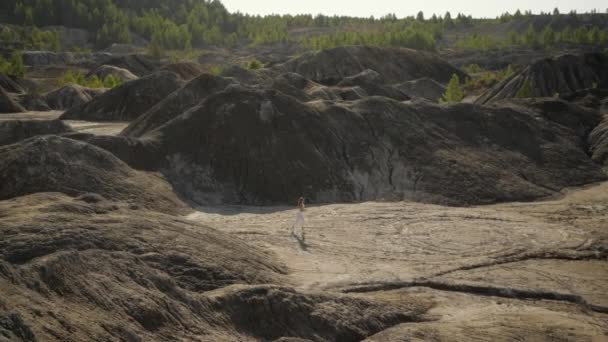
[[77, 77], [482, 79], [215, 70]]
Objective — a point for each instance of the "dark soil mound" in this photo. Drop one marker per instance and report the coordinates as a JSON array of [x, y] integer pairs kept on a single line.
[[395, 65], [177, 103], [251, 146], [136, 64], [273, 312], [7, 104], [127, 101], [71, 95], [51, 163], [185, 70], [16, 130], [10, 85], [548, 77], [598, 142], [86, 268], [106, 70], [33, 102], [423, 87]]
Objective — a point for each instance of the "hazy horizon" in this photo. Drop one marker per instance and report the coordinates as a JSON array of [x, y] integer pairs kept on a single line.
[[476, 8]]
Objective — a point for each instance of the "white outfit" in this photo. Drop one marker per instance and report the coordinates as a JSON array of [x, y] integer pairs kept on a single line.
[[299, 224]]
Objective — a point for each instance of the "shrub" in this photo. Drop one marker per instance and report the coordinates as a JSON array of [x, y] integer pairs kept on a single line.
[[254, 64], [454, 92], [13, 67], [215, 70], [525, 90]]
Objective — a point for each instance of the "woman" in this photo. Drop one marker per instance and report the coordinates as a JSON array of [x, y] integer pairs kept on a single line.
[[299, 224]]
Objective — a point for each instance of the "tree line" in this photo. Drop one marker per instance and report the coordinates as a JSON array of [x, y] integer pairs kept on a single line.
[[188, 24], [544, 38]]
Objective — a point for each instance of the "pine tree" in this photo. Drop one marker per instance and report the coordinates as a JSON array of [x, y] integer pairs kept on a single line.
[[420, 16], [453, 92], [154, 48]]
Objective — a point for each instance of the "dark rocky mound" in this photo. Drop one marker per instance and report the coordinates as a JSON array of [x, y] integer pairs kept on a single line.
[[395, 65], [272, 312], [33, 102], [52, 163], [13, 131], [106, 70], [551, 76], [177, 103], [10, 85], [249, 77], [71, 95], [598, 143], [43, 58], [425, 88], [7, 104], [86, 268], [254, 146], [136, 64], [372, 83], [128, 100], [185, 70]]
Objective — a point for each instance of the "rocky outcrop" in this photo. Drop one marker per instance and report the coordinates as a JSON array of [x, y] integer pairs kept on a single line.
[[51, 163], [553, 76], [71, 95], [128, 100], [12, 131]]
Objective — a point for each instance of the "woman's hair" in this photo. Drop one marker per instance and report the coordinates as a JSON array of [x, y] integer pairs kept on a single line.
[[300, 201]]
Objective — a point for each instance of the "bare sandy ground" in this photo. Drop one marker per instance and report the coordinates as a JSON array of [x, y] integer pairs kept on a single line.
[[517, 271], [101, 128]]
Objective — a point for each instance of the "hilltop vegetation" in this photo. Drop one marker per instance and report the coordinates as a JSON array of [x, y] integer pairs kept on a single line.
[[188, 24]]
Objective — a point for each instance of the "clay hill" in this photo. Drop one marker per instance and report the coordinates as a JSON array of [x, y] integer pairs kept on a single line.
[[564, 74]]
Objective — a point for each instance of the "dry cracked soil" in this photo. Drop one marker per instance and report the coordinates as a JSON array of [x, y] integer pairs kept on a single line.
[[507, 272]]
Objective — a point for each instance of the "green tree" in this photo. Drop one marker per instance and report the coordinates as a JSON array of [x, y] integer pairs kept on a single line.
[[453, 92], [420, 16], [525, 90], [154, 47], [448, 22], [531, 37], [548, 36]]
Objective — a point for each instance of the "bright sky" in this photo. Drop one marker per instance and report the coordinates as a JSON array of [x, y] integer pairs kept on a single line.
[[402, 8]]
